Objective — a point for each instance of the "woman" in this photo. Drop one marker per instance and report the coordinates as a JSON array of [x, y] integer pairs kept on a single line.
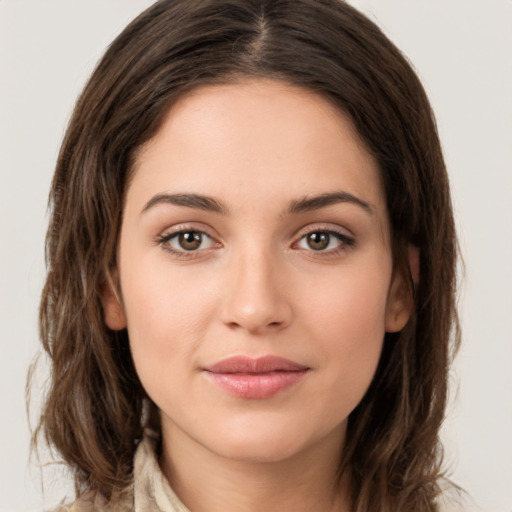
[[250, 296]]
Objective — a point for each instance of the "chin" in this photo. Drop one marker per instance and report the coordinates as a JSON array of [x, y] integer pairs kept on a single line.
[[263, 450], [264, 440]]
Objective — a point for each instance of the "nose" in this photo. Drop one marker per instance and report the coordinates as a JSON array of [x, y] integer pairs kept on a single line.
[[256, 296]]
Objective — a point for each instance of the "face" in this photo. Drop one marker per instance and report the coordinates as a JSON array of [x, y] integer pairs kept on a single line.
[[255, 271]]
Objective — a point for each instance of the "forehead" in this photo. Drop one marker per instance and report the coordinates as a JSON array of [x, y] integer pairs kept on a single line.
[[256, 139]]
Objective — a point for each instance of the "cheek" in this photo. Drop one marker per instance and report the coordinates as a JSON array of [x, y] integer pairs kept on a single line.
[[351, 302], [160, 295], [347, 321], [167, 312]]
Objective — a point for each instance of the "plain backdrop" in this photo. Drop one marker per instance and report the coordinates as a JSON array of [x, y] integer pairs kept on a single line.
[[462, 50]]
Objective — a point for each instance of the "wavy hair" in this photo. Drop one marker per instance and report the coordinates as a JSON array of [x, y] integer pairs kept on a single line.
[[93, 413]]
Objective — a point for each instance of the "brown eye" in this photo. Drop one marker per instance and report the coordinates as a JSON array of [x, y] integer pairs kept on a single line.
[[190, 240], [318, 241], [182, 242], [326, 241]]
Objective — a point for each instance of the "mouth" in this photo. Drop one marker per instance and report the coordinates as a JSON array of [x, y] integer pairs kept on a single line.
[[259, 378]]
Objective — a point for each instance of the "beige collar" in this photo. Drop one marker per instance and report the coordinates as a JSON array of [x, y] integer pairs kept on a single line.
[[152, 492]]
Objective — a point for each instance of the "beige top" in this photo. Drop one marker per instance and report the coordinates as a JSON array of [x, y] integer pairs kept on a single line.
[[150, 491]]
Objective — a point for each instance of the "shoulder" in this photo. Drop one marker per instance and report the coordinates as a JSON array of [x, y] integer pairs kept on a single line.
[[95, 502], [149, 492]]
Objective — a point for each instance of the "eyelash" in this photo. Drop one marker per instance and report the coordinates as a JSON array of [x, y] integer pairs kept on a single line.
[[345, 242], [164, 239]]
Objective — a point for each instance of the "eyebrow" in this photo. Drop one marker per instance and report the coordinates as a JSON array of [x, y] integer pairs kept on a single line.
[[196, 201], [307, 204]]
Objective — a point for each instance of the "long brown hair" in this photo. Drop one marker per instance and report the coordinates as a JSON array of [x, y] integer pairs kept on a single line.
[[93, 414]]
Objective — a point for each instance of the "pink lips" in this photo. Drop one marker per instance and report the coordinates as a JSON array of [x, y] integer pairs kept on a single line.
[[263, 377]]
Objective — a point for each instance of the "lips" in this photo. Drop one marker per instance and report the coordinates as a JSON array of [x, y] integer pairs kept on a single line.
[[246, 377]]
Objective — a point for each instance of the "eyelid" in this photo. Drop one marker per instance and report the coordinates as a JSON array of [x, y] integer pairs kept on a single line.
[[325, 228], [198, 227]]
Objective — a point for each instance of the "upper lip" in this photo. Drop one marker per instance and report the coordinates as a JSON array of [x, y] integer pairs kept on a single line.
[[245, 364]]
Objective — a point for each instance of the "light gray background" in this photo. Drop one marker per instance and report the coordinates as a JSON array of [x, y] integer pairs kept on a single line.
[[462, 50]]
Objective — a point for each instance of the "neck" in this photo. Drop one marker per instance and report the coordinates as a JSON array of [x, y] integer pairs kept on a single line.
[[208, 482]]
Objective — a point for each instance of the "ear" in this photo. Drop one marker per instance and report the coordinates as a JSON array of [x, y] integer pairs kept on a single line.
[[113, 310], [400, 304]]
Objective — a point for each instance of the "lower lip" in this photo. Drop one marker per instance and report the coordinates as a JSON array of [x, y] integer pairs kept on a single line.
[[256, 385]]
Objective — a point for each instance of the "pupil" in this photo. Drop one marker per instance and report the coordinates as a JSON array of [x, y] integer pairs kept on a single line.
[[190, 241], [318, 241]]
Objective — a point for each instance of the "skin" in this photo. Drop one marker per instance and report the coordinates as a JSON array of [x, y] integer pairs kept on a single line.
[[255, 287]]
